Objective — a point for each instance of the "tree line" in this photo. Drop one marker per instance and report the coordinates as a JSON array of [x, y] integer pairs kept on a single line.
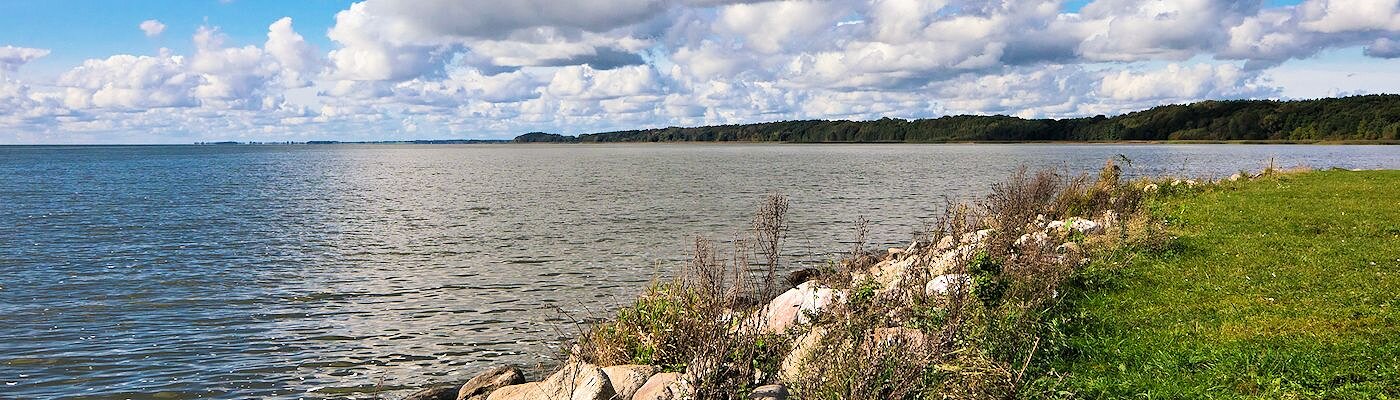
[[1369, 117]]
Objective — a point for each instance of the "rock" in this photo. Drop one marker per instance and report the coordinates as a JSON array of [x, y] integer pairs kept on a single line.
[[795, 362], [575, 381], [894, 252], [943, 284], [977, 237], [626, 379], [889, 273], [792, 307], [1150, 188], [664, 386], [1235, 177], [1032, 240], [944, 244], [913, 246], [439, 392], [801, 276], [1055, 226], [1084, 226], [488, 381], [769, 392]]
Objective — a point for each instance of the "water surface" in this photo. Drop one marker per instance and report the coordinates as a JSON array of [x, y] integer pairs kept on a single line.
[[328, 271]]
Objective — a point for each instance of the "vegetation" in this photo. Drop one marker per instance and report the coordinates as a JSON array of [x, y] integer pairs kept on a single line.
[[1282, 287], [1356, 118], [1276, 285], [887, 336], [541, 137]]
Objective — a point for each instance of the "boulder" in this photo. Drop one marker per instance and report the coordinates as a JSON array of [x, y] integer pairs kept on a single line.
[[894, 252], [481, 386], [439, 392], [626, 379], [795, 362], [890, 273], [769, 392], [792, 307], [942, 284], [1235, 177], [664, 386], [575, 381], [944, 244]]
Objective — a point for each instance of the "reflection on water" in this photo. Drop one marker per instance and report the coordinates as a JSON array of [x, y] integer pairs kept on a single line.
[[331, 271]]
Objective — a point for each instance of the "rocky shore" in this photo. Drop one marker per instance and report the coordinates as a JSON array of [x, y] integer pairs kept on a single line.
[[964, 311], [792, 313]]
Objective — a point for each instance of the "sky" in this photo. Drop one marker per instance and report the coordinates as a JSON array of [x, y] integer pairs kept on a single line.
[[182, 71]]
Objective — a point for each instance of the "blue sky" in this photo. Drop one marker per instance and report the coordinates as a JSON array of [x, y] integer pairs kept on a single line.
[[181, 71]]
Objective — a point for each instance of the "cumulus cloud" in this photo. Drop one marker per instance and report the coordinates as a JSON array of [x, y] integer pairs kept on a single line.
[[453, 68], [1182, 82], [1384, 48], [152, 27], [297, 60], [11, 57]]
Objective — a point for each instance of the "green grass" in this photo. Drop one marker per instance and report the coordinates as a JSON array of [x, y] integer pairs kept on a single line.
[[1284, 287]]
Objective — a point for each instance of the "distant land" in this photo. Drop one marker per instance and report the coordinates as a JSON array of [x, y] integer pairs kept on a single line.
[[1354, 119], [1369, 118]]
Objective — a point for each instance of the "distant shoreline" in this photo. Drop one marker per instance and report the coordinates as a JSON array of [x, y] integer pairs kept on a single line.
[[504, 141]]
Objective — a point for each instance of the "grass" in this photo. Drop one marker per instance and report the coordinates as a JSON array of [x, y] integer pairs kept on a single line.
[[1280, 287]]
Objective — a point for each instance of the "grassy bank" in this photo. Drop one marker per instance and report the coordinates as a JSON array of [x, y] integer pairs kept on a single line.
[[1281, 287]]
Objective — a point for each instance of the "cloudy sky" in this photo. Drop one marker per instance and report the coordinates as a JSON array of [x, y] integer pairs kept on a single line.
[[178, 71]]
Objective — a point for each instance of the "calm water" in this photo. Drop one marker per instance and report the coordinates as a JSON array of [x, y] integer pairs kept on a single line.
[[325, 271]]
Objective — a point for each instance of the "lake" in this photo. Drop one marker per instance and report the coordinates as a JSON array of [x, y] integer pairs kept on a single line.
[[327, 271]]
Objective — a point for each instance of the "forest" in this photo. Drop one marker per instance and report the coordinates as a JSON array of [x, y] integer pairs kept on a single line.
[[1355, 118]]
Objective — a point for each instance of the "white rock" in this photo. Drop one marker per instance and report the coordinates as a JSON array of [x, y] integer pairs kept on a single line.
[[976, 237], [575, 381], [944, 244], [1032, 240], [626, 379], [795, 363], [664, 386], [792, 307], [943, 284], [1084, 226], [1236, 177]]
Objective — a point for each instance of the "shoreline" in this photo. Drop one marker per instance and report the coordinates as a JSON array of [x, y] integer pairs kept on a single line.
[[898, 302]]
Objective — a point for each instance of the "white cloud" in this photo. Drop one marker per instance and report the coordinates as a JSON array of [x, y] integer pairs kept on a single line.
[[298, 60], [1178, 82], [11, 57], [152, 27], [435, 68], [1384, 48], [132, 83]]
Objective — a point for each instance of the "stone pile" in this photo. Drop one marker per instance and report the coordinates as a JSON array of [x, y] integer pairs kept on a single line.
[[937, 262]]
